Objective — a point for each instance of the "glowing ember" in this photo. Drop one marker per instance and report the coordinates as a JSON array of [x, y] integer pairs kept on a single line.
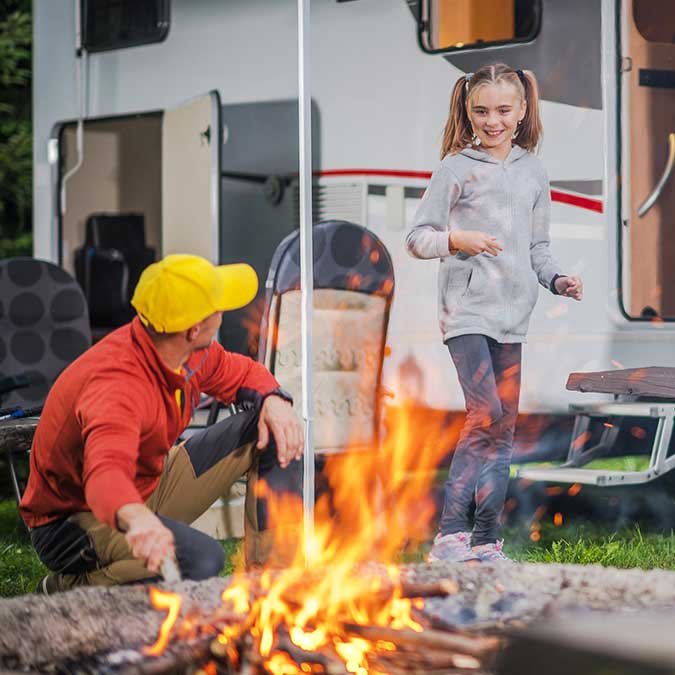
[[574, 490]]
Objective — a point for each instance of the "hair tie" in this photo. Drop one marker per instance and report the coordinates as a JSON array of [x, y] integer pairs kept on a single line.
[[467, 79], [521, 75]]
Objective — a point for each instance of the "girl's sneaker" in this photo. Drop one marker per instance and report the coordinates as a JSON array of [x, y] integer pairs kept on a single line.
[[454, 547], [490, 552]]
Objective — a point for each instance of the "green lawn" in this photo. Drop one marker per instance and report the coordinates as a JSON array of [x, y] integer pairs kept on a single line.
[[581, 543], [592, 544], [20, 568]]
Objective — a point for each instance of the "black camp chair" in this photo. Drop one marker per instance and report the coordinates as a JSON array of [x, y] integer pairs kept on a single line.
[[44, 325], [109, 264], [353, 291]]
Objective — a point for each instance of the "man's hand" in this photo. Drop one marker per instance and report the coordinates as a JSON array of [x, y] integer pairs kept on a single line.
[[278, 418], [148, 539], [570, 287], [473, 242]]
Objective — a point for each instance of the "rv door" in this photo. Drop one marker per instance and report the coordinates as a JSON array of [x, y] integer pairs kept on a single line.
[[648, 166], [191, 177]]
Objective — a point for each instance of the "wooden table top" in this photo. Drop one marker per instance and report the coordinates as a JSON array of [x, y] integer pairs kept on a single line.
[[651, 381]]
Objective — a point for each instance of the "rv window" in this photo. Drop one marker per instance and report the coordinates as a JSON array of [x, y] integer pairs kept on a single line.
[[113, 24], [467, 24], [654, 24]]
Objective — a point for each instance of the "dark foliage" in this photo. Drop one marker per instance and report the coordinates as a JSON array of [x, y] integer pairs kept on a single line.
[[15, 127]]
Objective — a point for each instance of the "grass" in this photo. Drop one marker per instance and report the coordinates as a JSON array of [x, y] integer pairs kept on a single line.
[[623, 463], [578, 543], [585, 544], [20, 568]]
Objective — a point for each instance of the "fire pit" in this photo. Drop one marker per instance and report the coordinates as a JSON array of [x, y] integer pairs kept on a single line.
[[371, 621], [351, 611]]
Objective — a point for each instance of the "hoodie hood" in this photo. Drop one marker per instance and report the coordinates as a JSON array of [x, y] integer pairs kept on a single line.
[[482, 156]]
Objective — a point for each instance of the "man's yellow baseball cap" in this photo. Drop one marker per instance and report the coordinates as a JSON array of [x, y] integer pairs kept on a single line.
[[181, 290]]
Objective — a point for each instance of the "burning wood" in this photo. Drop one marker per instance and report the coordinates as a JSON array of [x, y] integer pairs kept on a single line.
[[352, 636], [433, 639]]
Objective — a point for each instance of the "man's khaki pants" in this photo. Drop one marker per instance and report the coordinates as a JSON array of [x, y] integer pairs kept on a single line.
[[84, 551]]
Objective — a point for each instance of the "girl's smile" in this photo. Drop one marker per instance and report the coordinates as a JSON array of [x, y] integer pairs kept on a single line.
[[495, 111]]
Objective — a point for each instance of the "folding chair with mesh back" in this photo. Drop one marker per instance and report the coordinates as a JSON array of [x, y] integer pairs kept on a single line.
[[353, 291], [44, 326]]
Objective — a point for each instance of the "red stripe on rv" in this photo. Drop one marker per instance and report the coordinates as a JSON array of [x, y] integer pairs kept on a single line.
[[577, 200], [556, 195]]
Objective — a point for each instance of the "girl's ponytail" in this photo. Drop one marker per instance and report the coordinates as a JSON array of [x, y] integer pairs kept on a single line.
[[531, 131], [457, 133]]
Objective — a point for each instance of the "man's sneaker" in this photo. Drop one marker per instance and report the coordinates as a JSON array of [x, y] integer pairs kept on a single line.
[[452, 548], [56, 583], [48, 585], [490, 552]]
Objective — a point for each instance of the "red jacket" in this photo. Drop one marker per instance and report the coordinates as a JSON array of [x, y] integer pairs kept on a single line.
[[111, 417]]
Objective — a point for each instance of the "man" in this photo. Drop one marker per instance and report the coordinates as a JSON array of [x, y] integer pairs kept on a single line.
[[109, 499]]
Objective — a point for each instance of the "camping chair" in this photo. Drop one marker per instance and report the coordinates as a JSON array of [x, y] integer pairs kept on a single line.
[[353, 291], [44, 325]]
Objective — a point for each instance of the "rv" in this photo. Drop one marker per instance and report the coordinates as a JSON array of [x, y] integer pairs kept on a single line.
[[185, 112]]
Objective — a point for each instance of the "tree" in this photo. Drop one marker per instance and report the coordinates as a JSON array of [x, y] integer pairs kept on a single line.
[[16, 160]]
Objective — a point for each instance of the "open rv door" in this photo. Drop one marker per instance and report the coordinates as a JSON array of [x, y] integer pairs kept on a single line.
[[191, 140], [648, 159]]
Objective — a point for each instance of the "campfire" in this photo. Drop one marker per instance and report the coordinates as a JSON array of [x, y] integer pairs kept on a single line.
[[350, 611]]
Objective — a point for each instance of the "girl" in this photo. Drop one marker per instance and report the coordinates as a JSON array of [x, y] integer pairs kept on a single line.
[[485, 215]]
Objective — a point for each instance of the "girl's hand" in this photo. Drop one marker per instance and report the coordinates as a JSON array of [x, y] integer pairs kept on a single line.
[[570, 287], [473, 242]]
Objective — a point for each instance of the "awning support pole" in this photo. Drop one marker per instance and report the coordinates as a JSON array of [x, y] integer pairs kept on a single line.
[[306, 269]]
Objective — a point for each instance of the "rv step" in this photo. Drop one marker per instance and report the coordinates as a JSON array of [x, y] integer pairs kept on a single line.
[[623, 409], [586, 476]]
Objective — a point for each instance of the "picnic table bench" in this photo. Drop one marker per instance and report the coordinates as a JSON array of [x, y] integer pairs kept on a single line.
[[638, 392]]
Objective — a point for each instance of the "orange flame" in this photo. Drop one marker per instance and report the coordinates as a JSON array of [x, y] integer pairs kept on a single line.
[[380, 502], [172, 602], [359, 521]]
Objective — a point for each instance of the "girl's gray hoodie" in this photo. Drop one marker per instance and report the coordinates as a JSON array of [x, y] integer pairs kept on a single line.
[[485, 294]]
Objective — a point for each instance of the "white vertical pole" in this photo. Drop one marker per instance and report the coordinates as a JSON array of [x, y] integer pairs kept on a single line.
[[306, 266]]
